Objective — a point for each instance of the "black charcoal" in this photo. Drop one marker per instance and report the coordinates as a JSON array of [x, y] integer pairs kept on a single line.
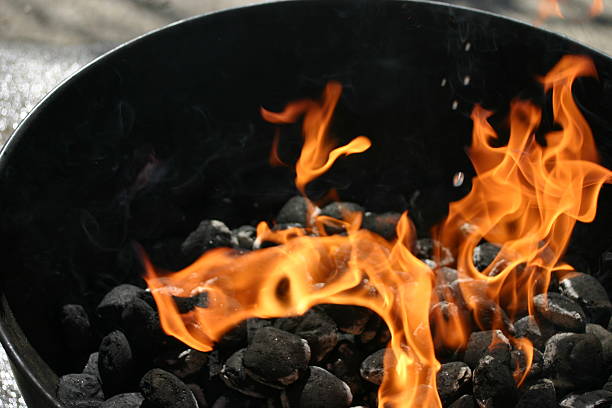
[[484, 254], [112, 305], [189, 362], [141, 325], [480, 343], [162, 389], [446, 275], [573, 360], [209, 234], [518, 362], [115, 363], [87, 403], [539, 395], [341, 209], [75, 387], [465, 401], [199, 395], [91, 367], [561, 311], [295, 211], [494, 383], [235, 377], [276, 357], [127, 400], [537, 332], [381, 224], [320, 331], [187, 304], [233, 400], [319, 389], [348, 318], [245, 236], [608, 385], [453, 380], [589, 293], [370, 330], [591, 399], [372, 368], [76, 328], [427, 248], [253, 325], [605, 338], [235, 338], [344, 363], [489, 315]]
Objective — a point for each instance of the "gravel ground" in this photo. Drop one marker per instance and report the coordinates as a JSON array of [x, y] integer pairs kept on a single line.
[[43, 42]]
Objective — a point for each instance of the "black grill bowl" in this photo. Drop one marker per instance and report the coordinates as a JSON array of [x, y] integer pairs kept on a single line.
[[185, 101]]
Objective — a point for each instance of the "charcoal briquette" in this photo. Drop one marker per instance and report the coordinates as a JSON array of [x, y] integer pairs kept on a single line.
[[494, 383], [199, 395], [465, 401], [214, 364], [344, 363], [589, 293], [162, 389], [489, 315], [186, 304], [319, 389], [370, 330], [208, 235], [254, 324], [113, 303], [320, 331], [232, 400], [518, 361], [427, 248], [372, 367], [591, 399], [141, 325], [539, 395], [295, 211], [245, 236], [446, 275], [341, 209], [276, 357], [349, 319], [76, 328], [75, 387], [453, 380], [561, 311], [234, 375], [479, 345], [605, 338], [189, 362], [484, 254], [115, 363], [382, 224], [87, 403], [127, 400], [91, 367], [537, 332]]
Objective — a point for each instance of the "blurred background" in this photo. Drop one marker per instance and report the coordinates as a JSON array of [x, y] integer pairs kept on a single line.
[[42, 42]]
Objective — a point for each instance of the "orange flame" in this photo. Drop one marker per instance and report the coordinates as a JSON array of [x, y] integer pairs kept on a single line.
[[549, 8], [526, 198]]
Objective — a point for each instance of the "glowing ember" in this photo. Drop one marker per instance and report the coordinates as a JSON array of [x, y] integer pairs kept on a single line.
[[526, 198]]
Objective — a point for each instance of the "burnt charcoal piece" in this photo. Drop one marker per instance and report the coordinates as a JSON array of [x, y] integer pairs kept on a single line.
[[344, 363], [245, 236], [478, 345], [198, 393], [128, 400], [141, 326], [276, 357], [518, 362], [288, 324], [214, 364], [371, 328], [235, 377], [84, 404], [233, 400], [189, 362], [162, 390], [573, 360], [319, 389], [590, 294], [253, 325], [112, 305], [235, 338], [608, 385], [427, 248], [445, 275], [187, 304], [605, 338], [539, 395], [489, 315], [115, 363], [372, 368], [381, 224], [320, 331], [465, 401], [295, 211], [591, 399], [91, 367], [75, 387], [340, 209], [453, 380], [484, 254], [561, 311], [493, 383], [537, 332], [348, 318], [76, 328], [209, 234]]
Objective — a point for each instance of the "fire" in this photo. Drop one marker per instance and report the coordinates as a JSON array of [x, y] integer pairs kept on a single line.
[[548, 8], [526, 198]]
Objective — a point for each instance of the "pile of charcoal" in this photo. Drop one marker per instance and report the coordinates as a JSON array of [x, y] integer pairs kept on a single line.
[[332, 356]]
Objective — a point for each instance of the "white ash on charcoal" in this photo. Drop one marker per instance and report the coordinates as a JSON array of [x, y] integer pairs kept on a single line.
[[537, 332], [349, 319], [465, 401], [127, 400], [382, 224], [112, 304], [453, 380], [234, 375], [591, 399], [427, 248], [539, 395], [276, 357], [208, 235], [561, 311], [76, 328], [573, 361], [115, 363], [73, 388], [162, 389], [590, 294], [318, 388]]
